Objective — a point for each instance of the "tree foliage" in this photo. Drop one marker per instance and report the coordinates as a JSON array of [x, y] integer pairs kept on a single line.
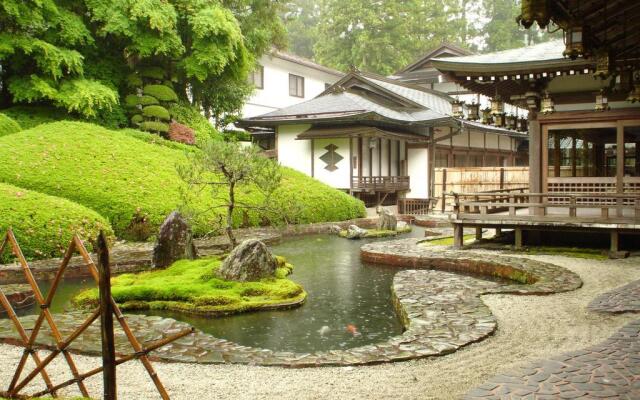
[[84, 55]]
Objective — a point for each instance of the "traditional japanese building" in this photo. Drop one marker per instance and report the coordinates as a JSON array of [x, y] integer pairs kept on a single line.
[[376, 137], [584, 138]]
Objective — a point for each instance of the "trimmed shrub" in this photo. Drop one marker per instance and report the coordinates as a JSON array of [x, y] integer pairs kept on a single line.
[[44, 225], [192, 117], [156, 73], [181, 133], [154, 126], [134, 80], [128, 176], [8, 125], [132, 100], [158, 112], [161, 92], [137, 119]]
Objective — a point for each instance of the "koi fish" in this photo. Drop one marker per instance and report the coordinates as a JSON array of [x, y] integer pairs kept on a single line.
[[352, 329], [324, 330]]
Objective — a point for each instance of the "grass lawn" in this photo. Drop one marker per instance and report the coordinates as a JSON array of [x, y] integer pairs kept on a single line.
[[192, 286], [119, 173], [44, 225]]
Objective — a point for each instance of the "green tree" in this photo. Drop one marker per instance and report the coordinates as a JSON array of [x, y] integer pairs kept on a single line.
[[225, 168], [301, 20]]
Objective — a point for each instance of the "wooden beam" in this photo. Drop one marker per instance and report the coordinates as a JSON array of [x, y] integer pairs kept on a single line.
[[106, 320], [379, 156]]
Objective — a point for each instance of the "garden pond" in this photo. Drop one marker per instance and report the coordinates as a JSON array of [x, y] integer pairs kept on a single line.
[[349, 302]]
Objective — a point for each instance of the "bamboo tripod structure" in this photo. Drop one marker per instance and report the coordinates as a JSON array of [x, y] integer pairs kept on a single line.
[[61, 344]]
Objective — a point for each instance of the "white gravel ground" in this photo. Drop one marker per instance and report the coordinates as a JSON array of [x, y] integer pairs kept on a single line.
[[529, 327]]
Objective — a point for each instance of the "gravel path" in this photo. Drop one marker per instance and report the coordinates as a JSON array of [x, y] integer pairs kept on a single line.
[[529, 327]]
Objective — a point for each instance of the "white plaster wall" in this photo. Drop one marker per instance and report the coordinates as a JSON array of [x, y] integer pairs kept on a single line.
[[385, 158], [505, 142], [492, 141], [291, 152], [461, 139], [275, 92], [418, 166], [339, 178], [365, 156], [477, 139], [394, 158]]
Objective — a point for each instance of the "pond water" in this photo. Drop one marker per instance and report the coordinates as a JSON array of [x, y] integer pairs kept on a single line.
[[343, 292]]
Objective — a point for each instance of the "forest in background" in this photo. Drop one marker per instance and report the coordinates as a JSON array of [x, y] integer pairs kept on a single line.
[[385, 35]]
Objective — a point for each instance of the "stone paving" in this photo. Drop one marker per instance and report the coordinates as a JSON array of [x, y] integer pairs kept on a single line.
[[623, 299], [441, 312], [608, 370]]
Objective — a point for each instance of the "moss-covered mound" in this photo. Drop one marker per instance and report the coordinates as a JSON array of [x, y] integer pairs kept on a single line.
[[44, 225], [31, 116], [379, 233], [8, 125], [192, 286], [121, 176]]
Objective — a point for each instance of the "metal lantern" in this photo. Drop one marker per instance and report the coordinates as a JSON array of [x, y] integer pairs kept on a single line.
[[486, 116], [497, 106], [473, 111], [522, 124], [546, 104], [574, 44], [499, 120], [457, 108], [510, 121], [603, 65], [634, 95], [602, 102], [534, 11]]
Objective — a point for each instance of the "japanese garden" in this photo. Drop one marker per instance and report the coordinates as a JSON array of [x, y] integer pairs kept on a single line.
[[334, 199]]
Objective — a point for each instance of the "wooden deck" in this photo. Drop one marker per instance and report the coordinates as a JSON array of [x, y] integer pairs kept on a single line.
[[597, 212]]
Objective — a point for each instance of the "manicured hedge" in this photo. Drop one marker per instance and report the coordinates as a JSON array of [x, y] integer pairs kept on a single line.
[[115, 174], [45, 224], [161, 92], [154, 126], [156, 112], [8, 125]]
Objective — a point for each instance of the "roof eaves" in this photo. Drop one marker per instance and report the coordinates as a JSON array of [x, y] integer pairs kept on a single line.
[[304, 62]]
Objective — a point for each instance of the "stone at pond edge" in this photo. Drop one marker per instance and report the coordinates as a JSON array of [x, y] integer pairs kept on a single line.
[[354, 232], [387, 221], [175, 242], [250, 261]]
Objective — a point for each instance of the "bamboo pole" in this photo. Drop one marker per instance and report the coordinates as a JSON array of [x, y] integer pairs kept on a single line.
[[106, 320]]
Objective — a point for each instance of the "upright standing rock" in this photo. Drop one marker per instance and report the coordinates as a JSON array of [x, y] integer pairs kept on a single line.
[[387, 221], [250, 261], [175, 242]]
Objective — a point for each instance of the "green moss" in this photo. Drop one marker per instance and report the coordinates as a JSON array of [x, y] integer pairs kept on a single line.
[[154, 126], [136, 171], [30, 116], [448, 241], [156, 112], [593, 254], [192, 286], [8, 125], [161, 92], [44, 225]]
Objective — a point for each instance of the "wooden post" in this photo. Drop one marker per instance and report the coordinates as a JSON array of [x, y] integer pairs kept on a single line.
[[106, 320], [478, 233], [619, 165], [615, 247], [379, 156], [518, 237], [501, 178], [444, 188], [458, 236], [359, 159]]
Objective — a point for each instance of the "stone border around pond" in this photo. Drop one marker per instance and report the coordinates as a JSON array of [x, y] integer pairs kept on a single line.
[[620, 300], [19, 295], [441, 312]]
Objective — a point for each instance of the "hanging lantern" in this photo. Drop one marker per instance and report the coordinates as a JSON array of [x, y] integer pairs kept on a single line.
[[602, 102], [457, 108], [510, 121], [546, 104], [522, 125], [473, 111], [497, 106], [499, 120], [486, 116], [532, 98], [634, 95], [534, 11], [603, 65], [573, 41]]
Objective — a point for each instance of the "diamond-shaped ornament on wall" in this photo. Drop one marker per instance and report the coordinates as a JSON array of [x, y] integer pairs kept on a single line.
[[331, 157]]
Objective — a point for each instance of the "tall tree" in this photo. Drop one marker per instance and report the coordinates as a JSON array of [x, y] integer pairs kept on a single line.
[[301, 20]]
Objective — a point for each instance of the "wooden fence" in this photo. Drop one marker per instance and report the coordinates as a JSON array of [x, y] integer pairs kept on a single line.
[[475, 180]]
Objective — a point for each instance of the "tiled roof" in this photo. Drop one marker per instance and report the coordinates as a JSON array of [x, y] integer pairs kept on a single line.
[[305, 62]]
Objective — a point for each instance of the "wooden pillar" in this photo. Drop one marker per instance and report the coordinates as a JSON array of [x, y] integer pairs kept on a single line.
[[574, 156], [379, 156], [431, 164], [557, 155], [389, 157], [359, 158], [106, 320], [370, 157], [444, 189], [518, 236], [399, 164], [535, 155], [620, 158], [350, 164], [458, 236], [615, 242], [478, 233], [313, 168]]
